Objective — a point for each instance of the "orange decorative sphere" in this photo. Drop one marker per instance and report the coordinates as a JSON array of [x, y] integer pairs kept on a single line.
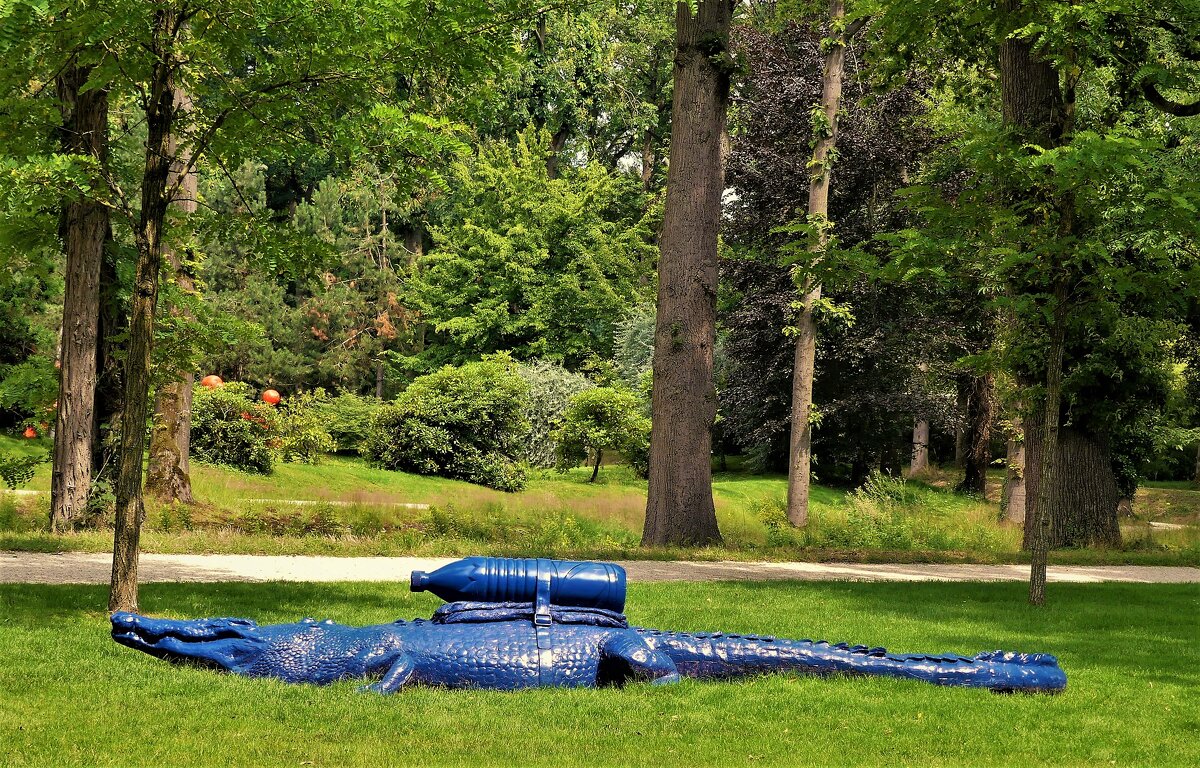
[[212, 381], [271, 397], [30, 433]]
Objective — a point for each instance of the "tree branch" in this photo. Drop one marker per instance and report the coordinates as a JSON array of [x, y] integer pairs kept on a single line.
[[854, 27], [1150, 91]]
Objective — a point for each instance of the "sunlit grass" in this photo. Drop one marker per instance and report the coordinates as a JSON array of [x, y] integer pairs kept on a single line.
[[355, 509], [73, 697]]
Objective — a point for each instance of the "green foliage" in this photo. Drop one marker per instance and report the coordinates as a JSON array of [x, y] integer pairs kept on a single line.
[[17, 470], [348, 419], [551, 388], [466, 423], [633, 345], [540, 267], [303, 427], [602, 419], [230, 428]]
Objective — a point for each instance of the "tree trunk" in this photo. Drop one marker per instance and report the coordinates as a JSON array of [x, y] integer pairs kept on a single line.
[[920, 448], [1086, 504], [1039, 518], [648, 160], [557, 142], [980, 407], [596, 467], [1032, 106], [109, 371], [679, 504], [1012, 498], [962, 396], [1196, 471], [123, 593], [169, 473], [803, 373], [804, 368], [414, 243], [84, 228], [1088, 498]]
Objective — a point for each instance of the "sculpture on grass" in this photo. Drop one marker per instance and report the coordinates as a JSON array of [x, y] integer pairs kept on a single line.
[[532, 623]]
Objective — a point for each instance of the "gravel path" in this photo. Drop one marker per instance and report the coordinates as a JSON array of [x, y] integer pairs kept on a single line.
[[83, 568]]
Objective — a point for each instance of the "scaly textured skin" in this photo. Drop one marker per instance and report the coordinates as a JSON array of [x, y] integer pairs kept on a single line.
[[495, 646]]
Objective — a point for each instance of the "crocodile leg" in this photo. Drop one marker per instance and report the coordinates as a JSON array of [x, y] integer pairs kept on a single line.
[[626, 656], [397, 676]]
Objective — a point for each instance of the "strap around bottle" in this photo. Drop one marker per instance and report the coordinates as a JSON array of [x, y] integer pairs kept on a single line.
[[542, 621]]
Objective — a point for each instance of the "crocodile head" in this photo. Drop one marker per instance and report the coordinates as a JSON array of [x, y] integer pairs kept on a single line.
[[223, 643]]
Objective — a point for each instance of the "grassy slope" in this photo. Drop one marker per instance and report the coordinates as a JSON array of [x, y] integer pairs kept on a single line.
[[73, 697], [559, 514]]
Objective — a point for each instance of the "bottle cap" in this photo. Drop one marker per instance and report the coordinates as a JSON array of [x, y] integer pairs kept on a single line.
[[417, 581]]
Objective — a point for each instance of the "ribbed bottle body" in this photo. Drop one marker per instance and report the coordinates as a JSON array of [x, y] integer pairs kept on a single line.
[[505, 579]]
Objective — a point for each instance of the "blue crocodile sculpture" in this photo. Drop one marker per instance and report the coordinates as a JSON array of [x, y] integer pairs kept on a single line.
[[508, 645]]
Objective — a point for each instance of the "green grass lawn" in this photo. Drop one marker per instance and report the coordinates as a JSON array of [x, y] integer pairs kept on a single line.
[[73, 697], [355, 511]]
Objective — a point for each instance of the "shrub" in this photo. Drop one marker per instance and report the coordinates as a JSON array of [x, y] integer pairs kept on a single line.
[[348, 417], [633, 344], [229, 428], [466, 423], [303, 428], [602, 419], [551, 388]]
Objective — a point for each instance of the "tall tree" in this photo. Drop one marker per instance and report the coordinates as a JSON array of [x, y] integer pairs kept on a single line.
[[242, 82], [679, 504], [821, 175], [168, 474], [84, 231], [1061, 202], [891, 358]]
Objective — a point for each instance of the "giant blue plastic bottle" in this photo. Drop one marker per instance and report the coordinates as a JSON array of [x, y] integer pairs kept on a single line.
[[503, 579]]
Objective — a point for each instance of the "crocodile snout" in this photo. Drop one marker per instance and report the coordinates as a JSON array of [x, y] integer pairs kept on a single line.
[[217, 642]]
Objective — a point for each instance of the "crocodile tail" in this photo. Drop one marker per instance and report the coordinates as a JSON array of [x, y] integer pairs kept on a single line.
[[718, 655]]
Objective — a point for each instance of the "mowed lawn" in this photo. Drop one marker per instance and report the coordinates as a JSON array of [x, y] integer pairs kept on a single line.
[[73, 697]]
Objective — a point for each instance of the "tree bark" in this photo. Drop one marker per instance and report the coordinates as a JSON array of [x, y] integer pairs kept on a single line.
[[804, 366], [679, 504], [596, 466], [980, 409], [557, 142], [920, 448], [648, 160], [1032, 105], [109, 371], [84, 230], [1087, 508], [962, 395], [169, 474], [1039, 515], [1196, 471], [1012, 498], [159, 109]]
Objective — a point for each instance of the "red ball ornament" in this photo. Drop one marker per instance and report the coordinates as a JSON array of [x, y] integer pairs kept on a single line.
[[30, 433], [211, 381], [271, 397]]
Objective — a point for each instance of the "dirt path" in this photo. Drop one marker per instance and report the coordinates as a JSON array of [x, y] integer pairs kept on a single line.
[[83, 568]]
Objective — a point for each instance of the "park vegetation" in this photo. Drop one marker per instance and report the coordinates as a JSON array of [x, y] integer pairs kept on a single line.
[[484, 241]]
